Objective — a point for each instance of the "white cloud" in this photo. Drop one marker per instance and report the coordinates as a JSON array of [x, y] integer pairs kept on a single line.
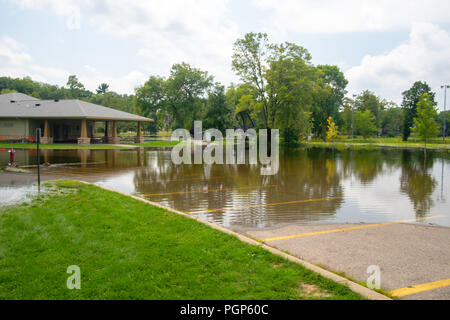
[[11, 52], [16, 63], [424, 57], [331, 16], [199, 32]]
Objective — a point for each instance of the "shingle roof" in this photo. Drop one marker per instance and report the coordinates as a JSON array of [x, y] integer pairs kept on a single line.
[[19, 105]]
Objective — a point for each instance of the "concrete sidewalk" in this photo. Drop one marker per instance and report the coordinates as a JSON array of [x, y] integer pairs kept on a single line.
[[407, 254]]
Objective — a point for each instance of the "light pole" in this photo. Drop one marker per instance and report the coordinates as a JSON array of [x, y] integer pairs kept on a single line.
[[445, 102]]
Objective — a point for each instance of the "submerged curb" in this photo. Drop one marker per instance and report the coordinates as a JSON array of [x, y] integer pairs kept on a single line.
[[364, 291]]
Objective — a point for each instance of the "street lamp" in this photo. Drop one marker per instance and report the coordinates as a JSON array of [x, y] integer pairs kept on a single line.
[[445, 102]]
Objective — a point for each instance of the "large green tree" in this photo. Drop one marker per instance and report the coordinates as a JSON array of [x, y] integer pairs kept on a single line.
[[218, 114], [391, 121], [181, 96], [367, 100], [425, 123], [249, 61], [365, 123], [241, 99], [409, 104], [290, 90], [329, 95]]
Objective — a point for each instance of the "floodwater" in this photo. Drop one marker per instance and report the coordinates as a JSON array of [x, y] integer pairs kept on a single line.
[[313, 185]]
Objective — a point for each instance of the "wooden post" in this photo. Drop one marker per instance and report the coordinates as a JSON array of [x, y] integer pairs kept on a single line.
[[139, 138], [46, 139], [83, 129], [83, 139], [114, 133], [114, 139], [46, 129]]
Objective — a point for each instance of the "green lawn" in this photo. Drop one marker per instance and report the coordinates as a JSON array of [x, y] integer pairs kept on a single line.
[[157, 143], [381, 142], [60, 146], [127, 249]]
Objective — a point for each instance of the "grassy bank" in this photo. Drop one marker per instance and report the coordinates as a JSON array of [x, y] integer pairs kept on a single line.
[[60, 146], [359, 143], [127, 249], [157, 143]]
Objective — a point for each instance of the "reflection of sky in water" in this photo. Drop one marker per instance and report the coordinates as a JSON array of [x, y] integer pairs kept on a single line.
[[123, 183], [17, 195]]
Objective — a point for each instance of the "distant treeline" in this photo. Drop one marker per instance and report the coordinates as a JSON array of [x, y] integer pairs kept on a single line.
[[279, 88]]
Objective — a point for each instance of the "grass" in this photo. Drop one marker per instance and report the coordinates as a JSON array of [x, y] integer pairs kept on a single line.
[[360, 143], [157, 143], [59, 146], [127, 249]]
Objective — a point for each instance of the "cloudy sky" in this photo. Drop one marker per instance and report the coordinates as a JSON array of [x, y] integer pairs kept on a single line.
[[382, 45]]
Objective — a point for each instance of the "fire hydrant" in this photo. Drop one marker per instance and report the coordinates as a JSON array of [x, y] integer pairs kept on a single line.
[[11, 157]]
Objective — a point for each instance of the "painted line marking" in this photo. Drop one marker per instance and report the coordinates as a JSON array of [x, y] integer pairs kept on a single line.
[[211, 190], [420, 288], [265, 205], [202, 179], [308, 234]]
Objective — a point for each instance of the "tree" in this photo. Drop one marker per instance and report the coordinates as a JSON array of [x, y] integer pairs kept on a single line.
[[329, 97], [391, 121], [102, 88], [425, 123], [365, 123], [76, 88], [290, 86], [367, 100], [241, 99], [440, 121], [409, 104], [249, 62], [332, 131], [218, 114], [3, 91], [181, 96]]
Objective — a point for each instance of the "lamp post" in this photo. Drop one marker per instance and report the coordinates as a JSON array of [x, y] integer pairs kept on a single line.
[[445, 102]]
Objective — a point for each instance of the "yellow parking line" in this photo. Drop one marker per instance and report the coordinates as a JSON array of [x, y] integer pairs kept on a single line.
[[420, 288], [193, 179], [210, 190], [264, 205], [308, 234]]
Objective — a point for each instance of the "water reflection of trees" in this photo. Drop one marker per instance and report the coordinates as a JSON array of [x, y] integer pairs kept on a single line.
[[302, 176], [416, 182]]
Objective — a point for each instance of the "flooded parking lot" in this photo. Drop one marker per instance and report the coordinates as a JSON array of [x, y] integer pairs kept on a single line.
[[313, 185]]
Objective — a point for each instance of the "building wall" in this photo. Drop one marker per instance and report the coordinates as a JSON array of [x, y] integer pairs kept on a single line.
[[14, 129], [61, 130]]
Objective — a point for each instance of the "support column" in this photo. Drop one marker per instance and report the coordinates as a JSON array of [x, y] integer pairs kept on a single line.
[[46, 138], [114, 139], [84, 139], [139, 138]]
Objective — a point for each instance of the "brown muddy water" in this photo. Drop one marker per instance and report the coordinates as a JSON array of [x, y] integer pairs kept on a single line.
[[312, 185]]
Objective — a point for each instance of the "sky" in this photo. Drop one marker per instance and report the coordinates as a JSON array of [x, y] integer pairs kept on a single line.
[[380, 45]]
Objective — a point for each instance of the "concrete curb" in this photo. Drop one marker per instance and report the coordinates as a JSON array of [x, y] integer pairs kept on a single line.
[[364, 291]]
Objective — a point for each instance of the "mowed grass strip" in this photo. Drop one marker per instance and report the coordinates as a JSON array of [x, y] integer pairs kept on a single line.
[[127, 249], [7, 145]]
